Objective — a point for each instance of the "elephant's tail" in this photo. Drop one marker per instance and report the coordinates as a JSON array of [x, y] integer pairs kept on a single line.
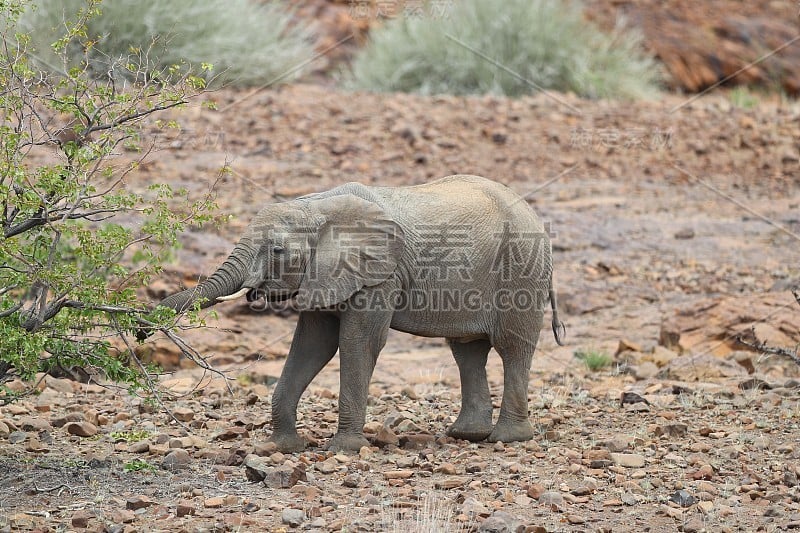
[[559, 329]]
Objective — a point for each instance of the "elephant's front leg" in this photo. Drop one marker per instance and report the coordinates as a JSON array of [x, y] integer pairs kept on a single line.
[[315, 341], [362, 335]]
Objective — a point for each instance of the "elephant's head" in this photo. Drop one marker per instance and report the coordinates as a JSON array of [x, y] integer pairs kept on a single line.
[[321, 249]]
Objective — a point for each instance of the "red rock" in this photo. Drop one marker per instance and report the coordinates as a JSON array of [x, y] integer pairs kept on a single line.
[[184, 508], [138, 502], [80, 519], [81, 429]]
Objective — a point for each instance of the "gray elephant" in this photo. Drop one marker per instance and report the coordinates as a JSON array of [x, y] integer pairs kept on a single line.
[[463, 258]]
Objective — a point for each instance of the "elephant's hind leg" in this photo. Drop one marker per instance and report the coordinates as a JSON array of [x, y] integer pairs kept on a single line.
[[315, 342], [474, 422], [516, 351]]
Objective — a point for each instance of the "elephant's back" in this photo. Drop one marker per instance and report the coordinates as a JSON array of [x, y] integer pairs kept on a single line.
[[464, 196]]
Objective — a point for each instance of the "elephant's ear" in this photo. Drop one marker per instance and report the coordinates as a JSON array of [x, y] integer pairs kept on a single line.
[[358, 246]]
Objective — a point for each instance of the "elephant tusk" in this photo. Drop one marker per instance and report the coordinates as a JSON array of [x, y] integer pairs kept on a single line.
[[238, 294]]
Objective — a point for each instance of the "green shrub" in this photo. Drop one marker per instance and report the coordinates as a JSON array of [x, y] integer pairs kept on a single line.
[[594, 359], [247, 42], [77, 238], [505, 47]]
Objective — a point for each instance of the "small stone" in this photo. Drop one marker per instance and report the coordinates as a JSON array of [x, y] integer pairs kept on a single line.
[[683, 498], [328, 466], [81, 429], [138, 502], [684, 234], [694, 525], [182, 442], [499, 522], [450, 483], [645, 370], [214, 503], [629, 398], [139, 447], [676, 430], [385, 436], [265, 449], [626, 345], [472, 507], [761, 443], [35, 445], [446, 468], [628, 460], [30, 423], [80, 519], [535, 490], [619, 443], [398, 474], [256, 467], [15, 437], [407, 426], [575, 519], [277, 458], [293, 517], [185, 508], [184, 414], [123, 516], [553, 500], [285, 476], [417, 441], [351, 481], [231, 433], [177, 459], [705, 507], [64, 386]]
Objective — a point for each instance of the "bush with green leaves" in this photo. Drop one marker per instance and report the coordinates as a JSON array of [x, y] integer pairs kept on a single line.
[[248, 42], [69, 267], [595, 360], [505, 47]]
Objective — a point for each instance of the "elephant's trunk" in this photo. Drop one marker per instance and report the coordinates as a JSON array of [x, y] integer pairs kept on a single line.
[[227, 280]]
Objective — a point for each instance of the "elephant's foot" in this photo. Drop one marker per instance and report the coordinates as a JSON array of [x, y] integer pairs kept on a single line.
[[472, 428], [508, 431], [289, 443], [347, 442]]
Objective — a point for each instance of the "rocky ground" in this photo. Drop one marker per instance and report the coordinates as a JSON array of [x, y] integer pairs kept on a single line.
[[675, 229]]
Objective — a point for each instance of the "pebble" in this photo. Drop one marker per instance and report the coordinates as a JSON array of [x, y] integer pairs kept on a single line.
[[683, 498], [184, 414], [446, 468], [81, 429], [80, 519], [185, 508], [398, 474], [628, 460], [553, 500], [135, 503], [328, 466], [499, 522], [293, 517], [214, 503], [285, 476], [177, 459]]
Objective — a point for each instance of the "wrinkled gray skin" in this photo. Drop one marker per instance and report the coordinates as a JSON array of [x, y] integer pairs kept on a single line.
[[337, 250]]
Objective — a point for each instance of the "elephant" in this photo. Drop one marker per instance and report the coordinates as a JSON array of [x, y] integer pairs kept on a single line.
[[463, 258]]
